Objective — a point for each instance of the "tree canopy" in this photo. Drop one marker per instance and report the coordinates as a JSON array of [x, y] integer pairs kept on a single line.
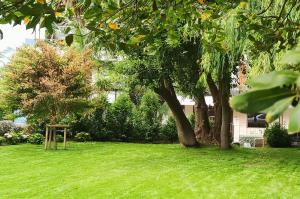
[[47, 83], [192, 47]]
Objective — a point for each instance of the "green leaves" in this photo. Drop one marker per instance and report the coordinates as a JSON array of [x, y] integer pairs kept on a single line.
[[292, 57], [259, 100], [274, 79], [278, 108], [67, 30], [92, 12], [27, 10], [33, 22], [69, 39], [137, 39], [272, 96]]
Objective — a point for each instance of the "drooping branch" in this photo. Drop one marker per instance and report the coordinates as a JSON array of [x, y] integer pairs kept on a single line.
[[267, 8], [289, 12], [282, 10]]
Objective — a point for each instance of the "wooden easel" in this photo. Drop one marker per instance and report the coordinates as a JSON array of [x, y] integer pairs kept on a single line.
[[50, 138]]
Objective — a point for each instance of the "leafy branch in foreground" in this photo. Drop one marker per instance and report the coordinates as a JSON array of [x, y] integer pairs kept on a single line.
[[273, 93]]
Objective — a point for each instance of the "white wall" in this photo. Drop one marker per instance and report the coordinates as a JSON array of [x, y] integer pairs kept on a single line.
[[240, 126]]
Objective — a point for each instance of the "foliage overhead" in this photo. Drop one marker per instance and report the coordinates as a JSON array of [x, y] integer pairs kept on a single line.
[[273, 27], [109, 21]]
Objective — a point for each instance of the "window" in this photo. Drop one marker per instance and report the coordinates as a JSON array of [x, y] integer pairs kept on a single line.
[[257, 120]]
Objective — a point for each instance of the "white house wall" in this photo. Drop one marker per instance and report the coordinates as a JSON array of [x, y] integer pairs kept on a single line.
[[284, 120], [240, 126]]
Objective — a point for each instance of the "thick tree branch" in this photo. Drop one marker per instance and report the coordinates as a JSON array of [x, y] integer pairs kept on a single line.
[[212, 86]]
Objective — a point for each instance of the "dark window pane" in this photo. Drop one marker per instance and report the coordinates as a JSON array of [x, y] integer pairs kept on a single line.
[[257, 120]]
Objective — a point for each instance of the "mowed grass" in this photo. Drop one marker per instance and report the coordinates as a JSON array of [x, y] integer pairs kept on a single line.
[[122, 170]]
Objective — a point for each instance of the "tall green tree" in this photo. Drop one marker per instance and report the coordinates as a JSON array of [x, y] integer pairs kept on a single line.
[[156, 28], [159, 27]]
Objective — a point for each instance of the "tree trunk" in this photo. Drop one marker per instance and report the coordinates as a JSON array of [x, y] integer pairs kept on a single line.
[[225, 128], [218, 122], [185, 131], [215, 92], [225, 80], [202, 128]]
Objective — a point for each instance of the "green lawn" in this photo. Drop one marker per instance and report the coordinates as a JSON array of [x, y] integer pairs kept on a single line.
[[119, 170]]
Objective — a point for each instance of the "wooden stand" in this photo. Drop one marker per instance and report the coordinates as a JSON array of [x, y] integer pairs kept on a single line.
[[50, 138]]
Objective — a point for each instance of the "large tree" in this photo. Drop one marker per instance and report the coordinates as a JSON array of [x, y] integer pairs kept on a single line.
[[157, 26], [158, 73], [47, 83], [167, 30]]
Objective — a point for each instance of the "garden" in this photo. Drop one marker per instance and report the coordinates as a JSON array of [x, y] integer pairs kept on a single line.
[[155, 98]]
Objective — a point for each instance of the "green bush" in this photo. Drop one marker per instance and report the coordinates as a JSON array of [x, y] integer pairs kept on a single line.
[[119, 118], [277, 136], [82, 137], [143, 130], [139, 129], [59, 138], [18, 129], [15, 136], [2, 140], [103, 135], [6, 127], [36, 138], [169, 131], [98, 119], [23, 137], [146, 118], [12, 138], [82, 123], [95, 121], [35, 125]]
